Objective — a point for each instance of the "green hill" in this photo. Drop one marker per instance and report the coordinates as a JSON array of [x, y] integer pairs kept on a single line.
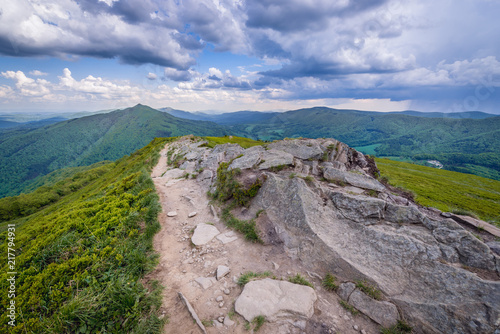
[[81, 248], [26, 155], [446, 190]]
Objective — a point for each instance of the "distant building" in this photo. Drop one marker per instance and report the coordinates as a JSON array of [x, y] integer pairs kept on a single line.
[[435, 163]]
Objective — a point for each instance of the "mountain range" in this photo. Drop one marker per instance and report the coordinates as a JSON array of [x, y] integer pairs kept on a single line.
[[466, 142], [28, 153]]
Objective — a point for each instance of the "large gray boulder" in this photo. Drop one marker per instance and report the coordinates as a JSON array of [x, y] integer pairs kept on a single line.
[[352, 178], [275, 299], [382, 312], [299, 148], [275, 158], [408, 261], [249, 159]]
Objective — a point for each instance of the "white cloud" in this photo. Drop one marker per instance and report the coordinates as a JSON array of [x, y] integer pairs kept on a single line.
[[38, 73], [28, 86], [151, 76]]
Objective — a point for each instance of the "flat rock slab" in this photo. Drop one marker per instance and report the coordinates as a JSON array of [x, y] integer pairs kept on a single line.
[[354, 179], [222, 271], [303, 149], [274, 158], [174, 173], [384, 313], [192, 312], [227, 237], [248, 160], [275, 299], [192, 214], [203, 234], [205, 282]]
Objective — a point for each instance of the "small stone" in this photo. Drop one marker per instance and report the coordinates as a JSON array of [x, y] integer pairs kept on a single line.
[[228, 322], [276, 266], [222, 271], [205, 282], [226, 291], [184, 271], [171, 214], [221, 304], [355, 327], [217, 324], [219, 298], [192, 214], [220, 319], [363, 331]]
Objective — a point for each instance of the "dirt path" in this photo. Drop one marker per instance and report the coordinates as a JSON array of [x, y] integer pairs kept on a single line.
[[181, 264]]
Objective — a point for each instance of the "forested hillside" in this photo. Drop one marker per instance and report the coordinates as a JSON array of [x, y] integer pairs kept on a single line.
[[28, 154], [81, 248]]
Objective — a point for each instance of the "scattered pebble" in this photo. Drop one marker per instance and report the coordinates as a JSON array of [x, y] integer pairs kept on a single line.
[[192, 214], [171, 214]]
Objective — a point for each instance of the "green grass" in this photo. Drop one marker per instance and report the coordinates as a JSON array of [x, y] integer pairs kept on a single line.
[[446, 190], [228, 188], [348, 307], [247, 227], [329, 282], [81, 259], [298, 279], [400, 328], [369, 290], [243, 142], [258, 321], [250, 275]]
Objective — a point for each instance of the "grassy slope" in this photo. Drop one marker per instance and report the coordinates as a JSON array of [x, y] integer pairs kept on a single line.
[[80, 257], [243, 142], [84, 141], [446, 190]]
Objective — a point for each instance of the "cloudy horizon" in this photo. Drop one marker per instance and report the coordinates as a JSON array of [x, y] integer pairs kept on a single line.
[[382, 55]]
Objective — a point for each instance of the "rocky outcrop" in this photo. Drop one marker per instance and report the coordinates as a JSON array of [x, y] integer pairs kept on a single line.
[[275, 299], [430, 271], [397, 248]]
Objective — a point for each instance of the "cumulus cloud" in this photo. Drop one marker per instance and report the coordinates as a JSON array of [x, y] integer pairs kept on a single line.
[[28, 86], [38, 73], [151, 76]]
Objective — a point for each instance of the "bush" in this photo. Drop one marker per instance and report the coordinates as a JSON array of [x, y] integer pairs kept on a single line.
[[250, 275]]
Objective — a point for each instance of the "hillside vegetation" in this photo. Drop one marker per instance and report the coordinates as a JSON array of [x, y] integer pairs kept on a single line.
[[446, 190], [28, 154], [81, 247]]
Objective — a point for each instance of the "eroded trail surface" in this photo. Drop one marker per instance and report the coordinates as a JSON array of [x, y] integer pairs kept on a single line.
[[191, 270]]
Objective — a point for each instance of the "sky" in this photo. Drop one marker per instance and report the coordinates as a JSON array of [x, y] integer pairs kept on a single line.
[[381, 55]]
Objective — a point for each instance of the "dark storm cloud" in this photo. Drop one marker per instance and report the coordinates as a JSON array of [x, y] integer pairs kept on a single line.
[[298, 15]]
